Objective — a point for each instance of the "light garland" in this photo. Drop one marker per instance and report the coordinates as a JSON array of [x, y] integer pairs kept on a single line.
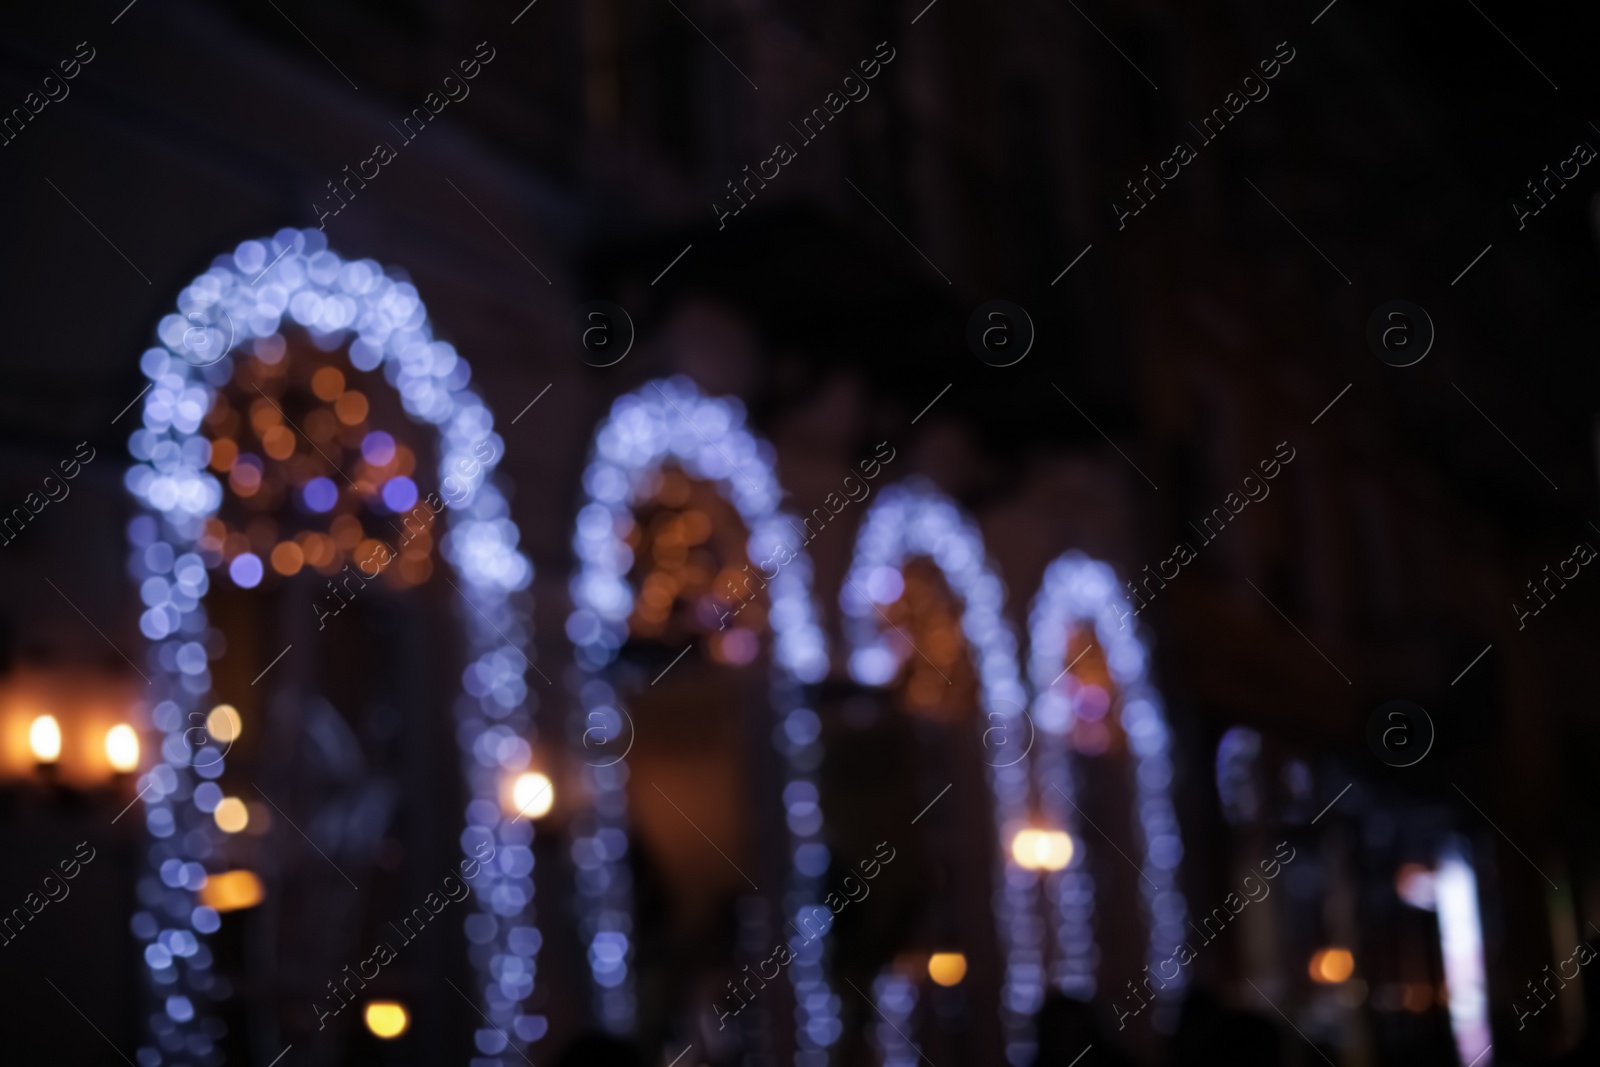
[[670, 421], [239, 303], [916, 519], [1238, 752], [1078, 590], [895, 997]]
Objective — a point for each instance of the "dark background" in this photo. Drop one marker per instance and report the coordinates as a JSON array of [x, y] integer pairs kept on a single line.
[[1196, 338]]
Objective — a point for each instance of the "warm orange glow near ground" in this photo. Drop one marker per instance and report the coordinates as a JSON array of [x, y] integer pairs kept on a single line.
[[1332, 965]]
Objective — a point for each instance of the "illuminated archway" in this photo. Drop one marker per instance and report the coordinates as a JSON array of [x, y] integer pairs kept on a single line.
[[1080, 610], [670, 422], [231, 313], [910, 520]]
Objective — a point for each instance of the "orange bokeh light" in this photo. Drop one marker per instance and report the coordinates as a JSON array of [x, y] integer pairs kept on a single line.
[[223, 453], [947, 968], [321, 426], [1329, 966], [278, 442], [288, 558], [347, 531], [351, 408], [264, 415], [415, 571], [328, 383], [231, 890]]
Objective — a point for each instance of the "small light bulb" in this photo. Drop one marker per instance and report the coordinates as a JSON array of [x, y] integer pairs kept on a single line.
[[122, 748], [231, 815], [533, 795], [224, 724], [1041, 850], [44, 737], [387, 1019], [1330, 966], [231, 890], [947, 968]]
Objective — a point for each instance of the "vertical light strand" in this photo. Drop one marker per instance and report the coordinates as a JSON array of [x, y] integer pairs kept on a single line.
[[895, 997]]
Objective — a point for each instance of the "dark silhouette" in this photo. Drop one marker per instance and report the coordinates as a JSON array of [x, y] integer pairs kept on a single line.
[[1211, 1033], [1064, 1027], [594, 1049], [1587, 1050]]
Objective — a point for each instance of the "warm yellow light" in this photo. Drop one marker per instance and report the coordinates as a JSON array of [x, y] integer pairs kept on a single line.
[[1041, 850], [231, 890], [122, 748], [533, 796], [1330, 966], [947, 968], [387, 1018], [44, 737], [224, 724], [231, 815]]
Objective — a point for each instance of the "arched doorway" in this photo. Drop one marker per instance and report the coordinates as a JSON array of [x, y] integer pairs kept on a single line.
[[1103, 734], [267, 375], [681, 506], [924, 621]]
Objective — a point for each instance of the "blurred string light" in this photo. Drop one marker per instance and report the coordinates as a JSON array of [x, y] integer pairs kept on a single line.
[[229, 315], [670, 422], [915, 519], [896, 998], [286, 510], [1461, 948], [1238, 753], [1079, 591]]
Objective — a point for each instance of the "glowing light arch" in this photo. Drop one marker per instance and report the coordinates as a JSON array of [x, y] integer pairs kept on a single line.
[[243, 298], [915, 518], [1076, 591], [670, 420]]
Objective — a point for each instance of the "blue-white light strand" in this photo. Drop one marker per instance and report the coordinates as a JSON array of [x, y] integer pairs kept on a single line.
[[1080, 591], [895, 997], [671, 421], [915, 519], [242, 301]]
